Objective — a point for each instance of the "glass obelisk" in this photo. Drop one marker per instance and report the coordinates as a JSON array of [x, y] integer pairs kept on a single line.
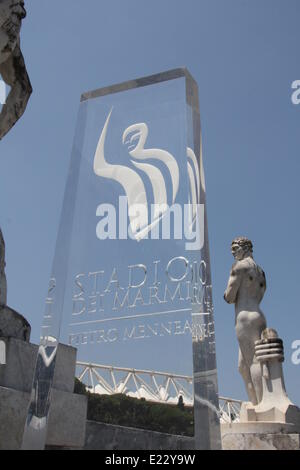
[[131, 283]]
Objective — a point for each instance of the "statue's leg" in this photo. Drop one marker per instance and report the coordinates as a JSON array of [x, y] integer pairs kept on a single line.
[[255, 370], [245, 372], [251, 368]]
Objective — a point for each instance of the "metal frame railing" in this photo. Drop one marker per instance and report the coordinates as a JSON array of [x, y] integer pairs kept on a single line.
[[160, 387]]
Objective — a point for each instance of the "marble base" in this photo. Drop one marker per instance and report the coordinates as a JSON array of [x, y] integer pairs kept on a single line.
[[67, 415], [278, 409], [251, 441], [113, 437], [259, 436]]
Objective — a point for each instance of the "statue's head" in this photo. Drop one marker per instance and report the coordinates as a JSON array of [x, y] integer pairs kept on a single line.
[[134, 137], [12, 12], [241, 247]]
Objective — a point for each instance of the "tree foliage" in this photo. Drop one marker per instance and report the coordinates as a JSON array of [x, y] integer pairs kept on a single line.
[[122, 410]]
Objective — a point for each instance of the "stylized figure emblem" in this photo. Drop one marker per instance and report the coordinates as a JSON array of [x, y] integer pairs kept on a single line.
[[132, 182], [194, 185]]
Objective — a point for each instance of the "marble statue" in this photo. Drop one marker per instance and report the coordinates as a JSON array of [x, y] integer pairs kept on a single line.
[[260, 349], [13, 72], [12, 65], [246, 288], [19, 359]]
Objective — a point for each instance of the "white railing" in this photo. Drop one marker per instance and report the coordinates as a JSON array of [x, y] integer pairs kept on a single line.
[[160, 387], [229, 410]]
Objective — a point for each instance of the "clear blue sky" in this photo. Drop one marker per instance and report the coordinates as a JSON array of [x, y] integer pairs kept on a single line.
[[244, 55]]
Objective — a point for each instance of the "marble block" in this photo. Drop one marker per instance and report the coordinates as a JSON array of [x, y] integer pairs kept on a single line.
[[20, 362], [13, 409], [259, 436], [67, 415], [254, 441], [71, 409]]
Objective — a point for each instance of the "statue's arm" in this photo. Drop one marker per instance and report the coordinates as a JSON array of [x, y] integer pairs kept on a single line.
[[233, 285], [15, 75]]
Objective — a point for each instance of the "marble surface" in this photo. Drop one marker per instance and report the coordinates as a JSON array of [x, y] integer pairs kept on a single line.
[[245, 289], [112, 437], [253, 441], [67, 415]]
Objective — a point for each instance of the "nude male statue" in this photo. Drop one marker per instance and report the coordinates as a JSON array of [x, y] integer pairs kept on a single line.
[[245, 289], [12, 65]]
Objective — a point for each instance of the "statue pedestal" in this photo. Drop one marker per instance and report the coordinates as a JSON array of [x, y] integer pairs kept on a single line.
[[283, 412], [275, 422], [259, 436], [275, 406], [67, 416]]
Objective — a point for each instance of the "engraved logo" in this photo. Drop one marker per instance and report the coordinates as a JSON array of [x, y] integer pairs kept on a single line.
[[142, 217]]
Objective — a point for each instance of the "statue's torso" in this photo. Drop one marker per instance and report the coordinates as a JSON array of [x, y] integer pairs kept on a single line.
[[250, 294]]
